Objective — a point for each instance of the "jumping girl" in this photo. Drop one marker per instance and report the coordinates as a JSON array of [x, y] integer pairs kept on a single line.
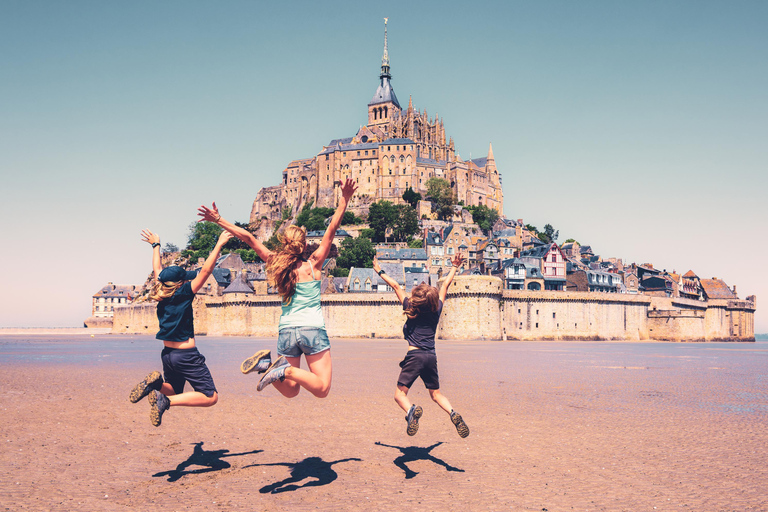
[[422, 310], [174, 292], [302, 327]]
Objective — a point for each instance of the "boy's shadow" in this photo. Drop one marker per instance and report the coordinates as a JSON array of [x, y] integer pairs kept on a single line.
[[311, 467], [210, 460], [414, 453]]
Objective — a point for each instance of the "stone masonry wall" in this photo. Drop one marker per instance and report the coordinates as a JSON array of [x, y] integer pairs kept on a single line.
[[477, 309]]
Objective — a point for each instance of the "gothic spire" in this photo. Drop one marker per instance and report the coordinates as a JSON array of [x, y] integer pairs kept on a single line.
[[385, 57]]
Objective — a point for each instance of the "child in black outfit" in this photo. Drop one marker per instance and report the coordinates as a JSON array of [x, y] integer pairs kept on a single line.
[[182, 362], [423, 309]]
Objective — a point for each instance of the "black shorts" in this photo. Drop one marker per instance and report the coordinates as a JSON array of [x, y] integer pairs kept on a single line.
[[419, 363], [182, 365]]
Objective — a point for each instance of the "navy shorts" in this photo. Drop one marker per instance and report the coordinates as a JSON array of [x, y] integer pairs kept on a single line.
[[182, 365], [419, 363], [294, 341]]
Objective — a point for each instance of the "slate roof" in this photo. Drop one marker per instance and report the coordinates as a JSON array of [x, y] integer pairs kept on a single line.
[[717, 289], [536, 252], [110, 290], [238, 286], [222, 276], [384, 93], [363, 274], [394, 270], [430, 161], [480, 162], [389, 142]]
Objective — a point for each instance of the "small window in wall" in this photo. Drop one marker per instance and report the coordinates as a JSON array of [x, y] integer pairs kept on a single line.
[[537, 325], [553, 315]]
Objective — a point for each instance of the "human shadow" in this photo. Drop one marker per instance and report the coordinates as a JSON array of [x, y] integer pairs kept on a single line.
[[316, 469], [209, 460], [414, 453]]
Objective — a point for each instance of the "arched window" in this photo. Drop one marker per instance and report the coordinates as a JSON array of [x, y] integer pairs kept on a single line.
[[402, 159]]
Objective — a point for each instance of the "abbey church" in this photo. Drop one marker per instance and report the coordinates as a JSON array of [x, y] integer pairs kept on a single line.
[[398, 148]]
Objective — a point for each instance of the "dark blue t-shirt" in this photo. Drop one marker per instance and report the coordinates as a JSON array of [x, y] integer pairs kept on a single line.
[[420, 331], [175, 315]]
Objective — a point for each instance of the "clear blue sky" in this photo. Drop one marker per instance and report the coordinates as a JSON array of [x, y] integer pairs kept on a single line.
[[639, 128]]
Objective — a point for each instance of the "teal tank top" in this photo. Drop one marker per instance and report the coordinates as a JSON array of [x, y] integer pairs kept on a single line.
[[303, 310]]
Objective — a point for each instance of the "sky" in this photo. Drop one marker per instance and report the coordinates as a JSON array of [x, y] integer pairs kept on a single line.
[[638, 128]]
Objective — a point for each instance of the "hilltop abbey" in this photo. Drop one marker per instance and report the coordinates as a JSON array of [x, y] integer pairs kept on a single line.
[[398, 148]]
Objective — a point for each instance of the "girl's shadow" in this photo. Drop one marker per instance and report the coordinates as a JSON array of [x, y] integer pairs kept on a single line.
[[210, 460], [414, 453], [314, 468]]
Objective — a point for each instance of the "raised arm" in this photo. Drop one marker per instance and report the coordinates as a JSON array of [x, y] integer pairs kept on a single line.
[[210, 262], [457, 261], [154, 241], [321, 253], [391, 282], [212, 215]]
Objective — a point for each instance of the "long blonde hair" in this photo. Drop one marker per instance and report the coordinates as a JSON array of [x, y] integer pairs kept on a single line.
[[161, 290], [424, 299], [281, 267]]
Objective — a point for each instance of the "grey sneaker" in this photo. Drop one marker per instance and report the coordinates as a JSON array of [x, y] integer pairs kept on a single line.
[[461, 427], [258, 362], [275, 372], [160, 404], [413, 419], [152, 382]]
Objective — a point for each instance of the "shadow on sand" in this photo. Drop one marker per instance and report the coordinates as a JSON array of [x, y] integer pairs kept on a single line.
[[414, 453], [318, 471], [209, 460]]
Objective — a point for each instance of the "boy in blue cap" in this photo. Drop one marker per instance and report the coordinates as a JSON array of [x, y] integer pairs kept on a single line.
[[174, 293]]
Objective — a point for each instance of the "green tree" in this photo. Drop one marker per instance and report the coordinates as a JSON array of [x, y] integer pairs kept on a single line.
[[367, 233], [339, 272], [483, 216], [549, 235], [350, 218], [356, 252], [390, 221], [381, 215], [439, 191], [201, 240], [169, 247], [411, 197], [314, 218], [416, 243]]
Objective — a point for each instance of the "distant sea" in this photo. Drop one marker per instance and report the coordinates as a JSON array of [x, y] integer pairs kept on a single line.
[[761, 337]]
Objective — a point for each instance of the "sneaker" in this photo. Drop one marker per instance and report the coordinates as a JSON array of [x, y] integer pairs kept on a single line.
[[160, 404], [258, 362], [275, 372], [413, 419], [461, 427], [152, 382]]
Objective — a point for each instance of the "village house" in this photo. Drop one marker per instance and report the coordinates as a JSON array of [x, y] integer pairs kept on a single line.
[[111, 295], [512, 272], [549, 258], [407, 257], [717, 289], [690, 286], [594, 281]]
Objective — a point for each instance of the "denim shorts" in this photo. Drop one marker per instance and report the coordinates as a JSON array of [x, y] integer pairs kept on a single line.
[[294, 341]]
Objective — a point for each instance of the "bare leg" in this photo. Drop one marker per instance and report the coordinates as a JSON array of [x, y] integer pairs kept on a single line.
[[288, 388], [401, 397], [440, 400], [317, 380], [193, 399]]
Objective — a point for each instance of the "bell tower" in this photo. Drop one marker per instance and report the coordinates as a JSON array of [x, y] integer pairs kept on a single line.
[[384, 105]]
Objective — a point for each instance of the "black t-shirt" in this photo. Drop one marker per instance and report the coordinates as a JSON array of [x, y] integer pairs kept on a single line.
[[420, 331], [175, 315]]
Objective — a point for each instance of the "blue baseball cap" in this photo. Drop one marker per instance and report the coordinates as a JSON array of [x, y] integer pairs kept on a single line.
[[176, 273]]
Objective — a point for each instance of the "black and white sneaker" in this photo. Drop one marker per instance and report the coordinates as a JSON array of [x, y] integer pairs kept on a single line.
[[275, 372]]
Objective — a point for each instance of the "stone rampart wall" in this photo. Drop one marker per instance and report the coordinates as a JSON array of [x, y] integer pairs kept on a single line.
[[477, 309]]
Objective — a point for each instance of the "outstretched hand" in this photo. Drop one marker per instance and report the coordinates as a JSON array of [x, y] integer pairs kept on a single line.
[[225, 237], [458, 260], [209, 214], [149, 237], [348, 188], [376, 265]]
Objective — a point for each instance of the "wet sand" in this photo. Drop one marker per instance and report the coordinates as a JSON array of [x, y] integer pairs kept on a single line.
[[554, 426]]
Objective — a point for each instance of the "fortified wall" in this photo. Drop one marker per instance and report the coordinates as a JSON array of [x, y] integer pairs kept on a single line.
[[478, 309]]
